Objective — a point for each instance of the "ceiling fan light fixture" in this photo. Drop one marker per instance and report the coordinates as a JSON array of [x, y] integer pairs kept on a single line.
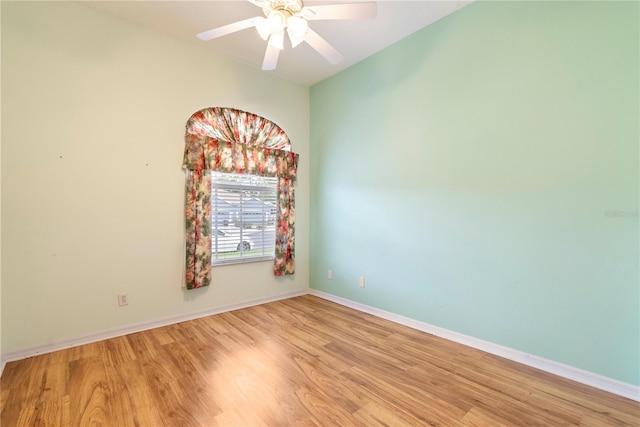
[[263, 27], [292, 16], [277, 21], [296, 28], [277, 40]]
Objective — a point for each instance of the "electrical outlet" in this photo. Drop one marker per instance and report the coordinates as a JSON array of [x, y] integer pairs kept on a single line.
[[123, 299], [329, 274], [361, 282]]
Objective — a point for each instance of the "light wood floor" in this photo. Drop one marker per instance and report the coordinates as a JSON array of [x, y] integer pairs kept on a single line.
[[298, 362]]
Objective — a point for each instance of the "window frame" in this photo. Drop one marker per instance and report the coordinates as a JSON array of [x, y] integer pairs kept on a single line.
[[268, 223]]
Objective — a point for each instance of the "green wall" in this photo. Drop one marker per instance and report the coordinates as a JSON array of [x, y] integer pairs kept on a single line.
[[482, 175]]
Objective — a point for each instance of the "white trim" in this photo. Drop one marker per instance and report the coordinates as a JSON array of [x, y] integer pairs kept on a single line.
[[585, 377], [139, 327]]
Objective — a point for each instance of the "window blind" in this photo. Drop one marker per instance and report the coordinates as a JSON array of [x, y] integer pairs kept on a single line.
[[243, 217]]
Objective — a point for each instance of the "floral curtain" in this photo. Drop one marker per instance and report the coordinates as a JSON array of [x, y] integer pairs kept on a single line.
[[230, 140]]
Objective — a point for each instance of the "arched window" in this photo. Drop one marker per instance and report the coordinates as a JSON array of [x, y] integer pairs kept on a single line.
[[219, 139]]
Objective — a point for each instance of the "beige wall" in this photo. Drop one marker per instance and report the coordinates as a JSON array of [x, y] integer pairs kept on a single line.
[[93, 113], [1, 363]]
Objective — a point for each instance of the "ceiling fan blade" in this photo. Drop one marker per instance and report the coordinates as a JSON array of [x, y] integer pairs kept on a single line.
[[323, 47], [367, 10], [227, 29], [270, 58], [259, 3]]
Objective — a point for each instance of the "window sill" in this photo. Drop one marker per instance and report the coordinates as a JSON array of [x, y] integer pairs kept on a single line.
[[219, 262]]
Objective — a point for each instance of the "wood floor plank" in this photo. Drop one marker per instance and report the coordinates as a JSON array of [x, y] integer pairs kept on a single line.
[[89, 392], [83, 351], [48, 413], [477, 417], [488, 385], [65, 404], [116, 350], [423, 405], [143, 345], [322, 377], [375, 414], [323, 409], [303, 362]]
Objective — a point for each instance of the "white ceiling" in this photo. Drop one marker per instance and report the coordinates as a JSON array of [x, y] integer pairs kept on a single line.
[[355, 39]]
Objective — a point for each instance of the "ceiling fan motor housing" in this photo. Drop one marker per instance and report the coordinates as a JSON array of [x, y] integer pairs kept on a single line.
[[293, 7]]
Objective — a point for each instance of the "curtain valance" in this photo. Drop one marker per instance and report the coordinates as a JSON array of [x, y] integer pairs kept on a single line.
[[207, 153], [230, 124]]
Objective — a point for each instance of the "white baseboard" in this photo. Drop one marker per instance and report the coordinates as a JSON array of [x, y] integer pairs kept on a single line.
[[139, 327], [585, 377]]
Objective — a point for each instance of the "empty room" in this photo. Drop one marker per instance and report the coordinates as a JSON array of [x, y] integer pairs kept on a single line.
[[322, 213]]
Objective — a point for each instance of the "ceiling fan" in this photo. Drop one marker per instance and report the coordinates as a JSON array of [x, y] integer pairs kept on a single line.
[[292, 16]]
